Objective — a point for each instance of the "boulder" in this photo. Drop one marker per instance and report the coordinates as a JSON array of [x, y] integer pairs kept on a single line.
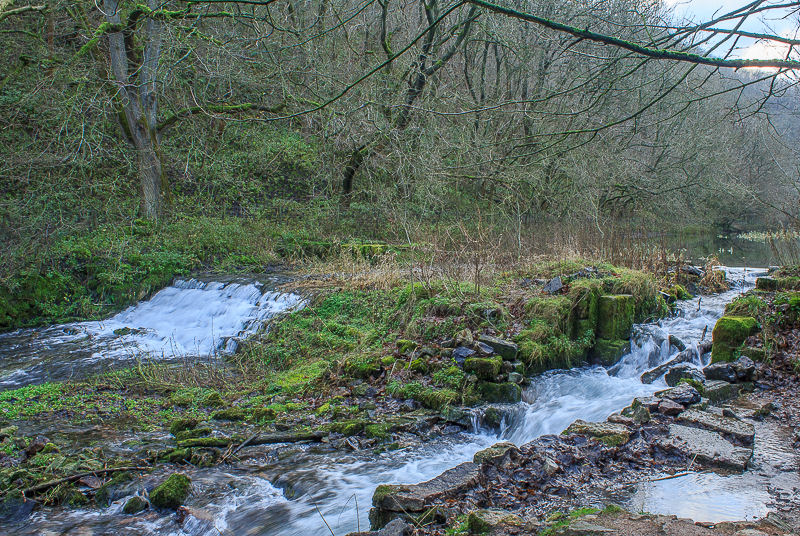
[[720, 371], [729, 334], [172, 492], [612, 434], [516, 377], [706, 447], [684, 394], [719, 391], [415, 498], [554, 285], [683, 371], [506, 349], [615, 314], [134, 505], [669, 407], [500, 392], [485, 368], [683, 357], [461, 353], [769, 284], [494, 453], [745, 369], [485, 521], [396, 527]]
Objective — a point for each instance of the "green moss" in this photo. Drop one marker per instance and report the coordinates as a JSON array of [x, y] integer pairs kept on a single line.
[[172, 492], [608, 352], [746, 305], [485, 368], [451, 377], [230, 414], [379, 431], [192, 434], [679, 292], [615, 318], [134, 505], [349, 428], [181, 425], [697, 384], [729, 333], [405, 346]]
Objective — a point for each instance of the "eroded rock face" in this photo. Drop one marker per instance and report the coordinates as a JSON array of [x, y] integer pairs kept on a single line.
[[720, 371]]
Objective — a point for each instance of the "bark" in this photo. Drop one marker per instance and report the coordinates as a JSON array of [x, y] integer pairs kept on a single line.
[[138, 97]]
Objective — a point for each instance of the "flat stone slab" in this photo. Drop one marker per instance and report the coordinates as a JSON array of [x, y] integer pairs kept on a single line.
[[720, 391], [414, 498], [707, 447], [612, 434], [742, 432]]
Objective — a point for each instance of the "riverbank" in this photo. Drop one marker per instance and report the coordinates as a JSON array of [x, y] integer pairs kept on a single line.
[[730, 431]]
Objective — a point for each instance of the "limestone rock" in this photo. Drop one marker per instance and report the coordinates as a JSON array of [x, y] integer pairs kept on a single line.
[[729, 333], [683, 371], [415, 497], [684, 394], [506, 349], [493, 453], [741, 431], [611, 434], [719, 391], [615, 316], [706, 447], [720, 371]]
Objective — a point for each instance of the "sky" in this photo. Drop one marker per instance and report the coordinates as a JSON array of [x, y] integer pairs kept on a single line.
[[703, 10]]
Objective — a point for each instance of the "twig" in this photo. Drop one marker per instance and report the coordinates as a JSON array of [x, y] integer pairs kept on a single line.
[[52, 483], [240, 447], [323, 519]]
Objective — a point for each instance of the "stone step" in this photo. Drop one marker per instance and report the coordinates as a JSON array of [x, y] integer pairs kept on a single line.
[[742, 432], [707, 447]]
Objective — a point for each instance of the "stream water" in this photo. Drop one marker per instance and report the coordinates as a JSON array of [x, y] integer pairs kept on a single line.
[[290, 495], [192, 318]]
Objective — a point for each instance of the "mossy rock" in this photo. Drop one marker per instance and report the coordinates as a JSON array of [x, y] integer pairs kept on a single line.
[[485, 368], [500, 392], [679, 292], [348, 428], [419, 365], [263, 414], [192, 434], [754, 353], [176, 455], [181, 425], [729, 334], [405, 346], [134, 505], [104, 494], [615, 316], [230, 414], [214, 400], [379, 430], [172, 492], [607, 352]]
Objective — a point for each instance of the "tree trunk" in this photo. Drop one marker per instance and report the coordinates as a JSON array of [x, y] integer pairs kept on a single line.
[[150, 177]]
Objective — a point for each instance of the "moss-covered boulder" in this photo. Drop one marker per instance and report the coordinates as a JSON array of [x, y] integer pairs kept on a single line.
[[612, 434], [485, 368], [615, 315], [134, 505], [607, 352], [729, 334], [172, 492], [181, 425], [500, 392]]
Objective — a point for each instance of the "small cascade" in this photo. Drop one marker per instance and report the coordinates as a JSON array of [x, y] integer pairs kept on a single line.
[[189, 319]]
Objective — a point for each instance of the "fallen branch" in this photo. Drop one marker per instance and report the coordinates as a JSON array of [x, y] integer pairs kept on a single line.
[[52, 483], [237, 449]]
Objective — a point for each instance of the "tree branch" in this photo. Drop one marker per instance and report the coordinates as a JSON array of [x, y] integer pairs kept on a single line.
[[657, 53]]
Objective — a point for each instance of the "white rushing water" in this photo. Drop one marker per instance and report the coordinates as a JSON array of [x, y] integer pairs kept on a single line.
[[339, 486], [188, 319]]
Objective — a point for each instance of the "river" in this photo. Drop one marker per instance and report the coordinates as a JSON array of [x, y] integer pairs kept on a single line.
[[298, 493]]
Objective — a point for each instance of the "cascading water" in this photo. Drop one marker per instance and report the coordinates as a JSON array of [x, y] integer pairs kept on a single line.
[[190, 318], [338, 486]]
